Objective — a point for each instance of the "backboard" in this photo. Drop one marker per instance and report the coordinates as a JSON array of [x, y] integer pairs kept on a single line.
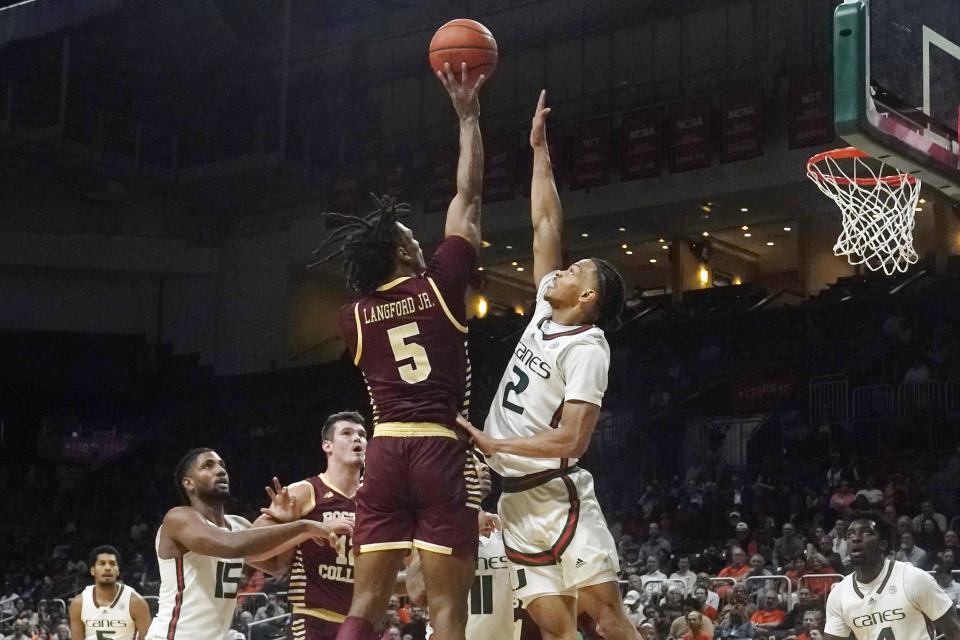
[[896, 66]]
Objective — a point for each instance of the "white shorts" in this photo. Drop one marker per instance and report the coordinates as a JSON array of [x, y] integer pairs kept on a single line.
[[555, 535]]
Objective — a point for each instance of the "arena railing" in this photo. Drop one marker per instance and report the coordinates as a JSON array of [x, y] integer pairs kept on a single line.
[[760, 588], [154, 603], [918, 397], [837, 577], [44, 607], [828, 399], [951, 397], [285, 622]]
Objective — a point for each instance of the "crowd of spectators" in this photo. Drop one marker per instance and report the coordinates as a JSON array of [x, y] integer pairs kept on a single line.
[[714, 555]]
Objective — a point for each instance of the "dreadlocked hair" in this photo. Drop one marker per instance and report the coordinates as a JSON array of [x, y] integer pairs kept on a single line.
[[610, 295], [365, 243]]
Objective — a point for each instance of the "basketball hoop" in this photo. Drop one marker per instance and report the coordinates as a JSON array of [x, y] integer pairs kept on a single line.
[[877, 202]]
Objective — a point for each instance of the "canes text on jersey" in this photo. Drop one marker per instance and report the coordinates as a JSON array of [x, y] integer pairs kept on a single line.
[[879, 617], [532, 361], [398, 308]]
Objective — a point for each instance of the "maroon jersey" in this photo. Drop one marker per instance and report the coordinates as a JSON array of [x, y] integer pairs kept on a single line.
[[321, 581], [409, 339]]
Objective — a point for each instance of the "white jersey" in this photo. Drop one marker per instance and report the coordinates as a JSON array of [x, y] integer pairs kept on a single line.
[[491, 603], [198, 593], [110, 620], [551, 364], [895, 606]]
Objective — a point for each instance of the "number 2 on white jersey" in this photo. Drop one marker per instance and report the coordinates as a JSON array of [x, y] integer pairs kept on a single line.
[[403, 350]]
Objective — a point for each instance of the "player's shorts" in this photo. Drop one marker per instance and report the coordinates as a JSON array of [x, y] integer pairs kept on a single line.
[[555, 534], [418, 491], [311, 628]]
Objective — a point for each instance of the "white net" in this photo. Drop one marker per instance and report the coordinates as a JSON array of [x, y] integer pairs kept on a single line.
[[877, 203]]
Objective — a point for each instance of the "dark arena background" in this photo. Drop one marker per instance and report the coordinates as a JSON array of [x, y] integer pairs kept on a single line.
[[163, 167]]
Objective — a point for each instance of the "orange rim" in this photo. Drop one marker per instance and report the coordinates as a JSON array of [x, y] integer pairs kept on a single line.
[[852, 153]]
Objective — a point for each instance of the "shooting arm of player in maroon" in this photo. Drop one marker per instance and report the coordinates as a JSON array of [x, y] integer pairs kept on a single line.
[[545, 211], [569, 440], [188, 529], [463, 214], [140, 614]]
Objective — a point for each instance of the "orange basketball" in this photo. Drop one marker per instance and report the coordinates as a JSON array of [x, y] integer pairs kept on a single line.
[[464, 40]]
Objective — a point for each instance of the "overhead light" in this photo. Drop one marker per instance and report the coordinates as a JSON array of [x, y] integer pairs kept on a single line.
[[664, 247], [769, 244], [918, 208], [705, 207], [479, 268], [518, 310], [482, 307], [661, 240], [519, 268], [704, 275], [923, 201], [653, 259], [629, 253], [621, 229], [623, 246], [737, 280], [705, 234], [786, 228], [509, 246], [747, 235], [514, 263], [744, 209], [745, 228], [485, 244]]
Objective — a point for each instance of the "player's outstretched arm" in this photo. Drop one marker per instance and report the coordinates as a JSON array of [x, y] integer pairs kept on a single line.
[[545, 211], [948, 625], [463, 214], [140, 613], [188, 529], [76, 624], [569, 440], [286, 505]]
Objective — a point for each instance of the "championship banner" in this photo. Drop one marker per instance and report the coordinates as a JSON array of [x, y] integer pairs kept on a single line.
[[500, 168], [440, 180], [741, 125], [590, 154], [811, 111], [689, 128], [641, 144], [343, 198]]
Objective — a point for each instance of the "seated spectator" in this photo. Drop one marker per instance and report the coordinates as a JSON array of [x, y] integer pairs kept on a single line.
[[806, 601], [817, 565], [417, 627], [648, 631], [743, 538], [918, 372], [696, 630], [710, 600], [929, 537], [927, 513], [871, 493], [737, 568], [734, 624], [21, 630], [653, 580], [653, 617], [951, 541], [680, 625], [684, 574], [757, 570], [842, 498], [655, 544], [787, 547], [910, 552], [948, 560], [904, 525], [632, 561], [769, 617], [946, 582], [631, 607], [834, 471]]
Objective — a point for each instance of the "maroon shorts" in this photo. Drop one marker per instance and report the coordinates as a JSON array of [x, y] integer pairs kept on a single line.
[[310, 628], [418, 492]]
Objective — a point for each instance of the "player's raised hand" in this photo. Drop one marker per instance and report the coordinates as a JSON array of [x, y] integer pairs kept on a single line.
[[465, 98], [283, 505], [538, 128], [485, 443]]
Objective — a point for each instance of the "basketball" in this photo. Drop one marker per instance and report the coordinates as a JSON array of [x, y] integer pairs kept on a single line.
[[464, 40]]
